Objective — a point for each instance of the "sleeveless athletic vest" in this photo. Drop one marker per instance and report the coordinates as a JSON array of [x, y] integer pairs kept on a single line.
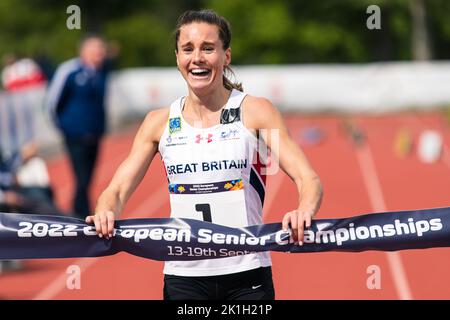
[[214, 175]]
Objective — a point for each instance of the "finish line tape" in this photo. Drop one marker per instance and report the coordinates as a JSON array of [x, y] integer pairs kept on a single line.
[[24, 236]]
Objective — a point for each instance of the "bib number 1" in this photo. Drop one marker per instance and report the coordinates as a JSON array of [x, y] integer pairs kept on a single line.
[[224, 208], [205, 209]]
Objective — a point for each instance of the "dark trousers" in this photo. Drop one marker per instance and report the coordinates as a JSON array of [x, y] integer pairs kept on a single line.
[[83, 155], [254, 284]]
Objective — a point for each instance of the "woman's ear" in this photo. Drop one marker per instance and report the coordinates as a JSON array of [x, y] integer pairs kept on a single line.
[[176, 57], [227, 57]]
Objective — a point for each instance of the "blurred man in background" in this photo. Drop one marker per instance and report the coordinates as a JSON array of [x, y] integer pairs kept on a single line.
[[21, 78], [76, 100], [20, 105]]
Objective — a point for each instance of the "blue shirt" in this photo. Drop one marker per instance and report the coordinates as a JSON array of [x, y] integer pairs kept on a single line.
[[76, 99]]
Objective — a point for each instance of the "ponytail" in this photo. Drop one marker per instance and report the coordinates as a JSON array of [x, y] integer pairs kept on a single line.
[[227, 83]]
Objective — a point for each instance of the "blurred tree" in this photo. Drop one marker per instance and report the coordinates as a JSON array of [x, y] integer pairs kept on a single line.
[[264, 31], [439, 27], [145, 40], [420, 39]]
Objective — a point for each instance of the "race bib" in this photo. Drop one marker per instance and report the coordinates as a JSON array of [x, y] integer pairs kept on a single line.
[[220, 202]]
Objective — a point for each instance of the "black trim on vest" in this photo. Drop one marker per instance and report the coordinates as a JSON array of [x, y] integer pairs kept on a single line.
[[256, 183], [230, 115]]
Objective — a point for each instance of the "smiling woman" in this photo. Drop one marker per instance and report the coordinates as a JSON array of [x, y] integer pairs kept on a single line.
[[210, 142], [216, 44]]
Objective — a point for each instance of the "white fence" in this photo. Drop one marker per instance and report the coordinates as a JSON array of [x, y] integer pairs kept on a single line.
[[376, 87]]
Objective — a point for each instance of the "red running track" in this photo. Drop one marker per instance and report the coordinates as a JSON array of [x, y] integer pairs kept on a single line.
[[356, 181]]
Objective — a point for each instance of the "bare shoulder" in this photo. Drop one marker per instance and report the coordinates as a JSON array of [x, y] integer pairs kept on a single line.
[[258, 112], [155, 122]]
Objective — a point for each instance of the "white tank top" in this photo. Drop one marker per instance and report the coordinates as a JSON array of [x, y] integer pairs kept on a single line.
[[214, 175]]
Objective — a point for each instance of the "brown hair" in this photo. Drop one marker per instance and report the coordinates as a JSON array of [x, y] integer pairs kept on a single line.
[[210, 17]]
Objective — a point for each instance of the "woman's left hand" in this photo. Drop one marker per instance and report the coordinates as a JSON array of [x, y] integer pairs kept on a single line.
[[298, 219]]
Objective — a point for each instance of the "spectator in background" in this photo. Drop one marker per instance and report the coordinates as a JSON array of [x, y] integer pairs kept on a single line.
[[76, 99], [20, 77], [20, 106], [15, 199], [21, 73]]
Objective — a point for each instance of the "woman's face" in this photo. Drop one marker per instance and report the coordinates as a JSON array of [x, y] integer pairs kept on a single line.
[[200, 57]]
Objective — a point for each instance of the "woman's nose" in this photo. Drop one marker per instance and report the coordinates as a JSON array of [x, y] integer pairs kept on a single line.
[[198, 56]]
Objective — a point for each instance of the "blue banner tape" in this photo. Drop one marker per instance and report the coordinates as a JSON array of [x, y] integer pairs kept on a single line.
[[24, 236]]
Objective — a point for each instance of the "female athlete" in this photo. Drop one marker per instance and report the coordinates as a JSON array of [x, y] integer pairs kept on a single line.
[[210, 143]]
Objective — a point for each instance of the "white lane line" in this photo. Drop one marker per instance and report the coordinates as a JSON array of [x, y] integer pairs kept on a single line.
[[373, 186], [57, 285]]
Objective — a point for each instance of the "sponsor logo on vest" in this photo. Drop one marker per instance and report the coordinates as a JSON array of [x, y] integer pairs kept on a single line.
[[230, 134], [199, 138], [174, 125], [176, 141]]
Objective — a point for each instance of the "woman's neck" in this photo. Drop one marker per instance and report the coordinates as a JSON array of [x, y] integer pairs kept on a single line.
[[202, 105]]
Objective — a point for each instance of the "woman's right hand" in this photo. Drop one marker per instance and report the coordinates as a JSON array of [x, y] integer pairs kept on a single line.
[[104, 223]]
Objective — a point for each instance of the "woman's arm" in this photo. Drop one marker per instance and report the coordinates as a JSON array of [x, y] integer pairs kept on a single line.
[[259, 113], [130, 173]]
